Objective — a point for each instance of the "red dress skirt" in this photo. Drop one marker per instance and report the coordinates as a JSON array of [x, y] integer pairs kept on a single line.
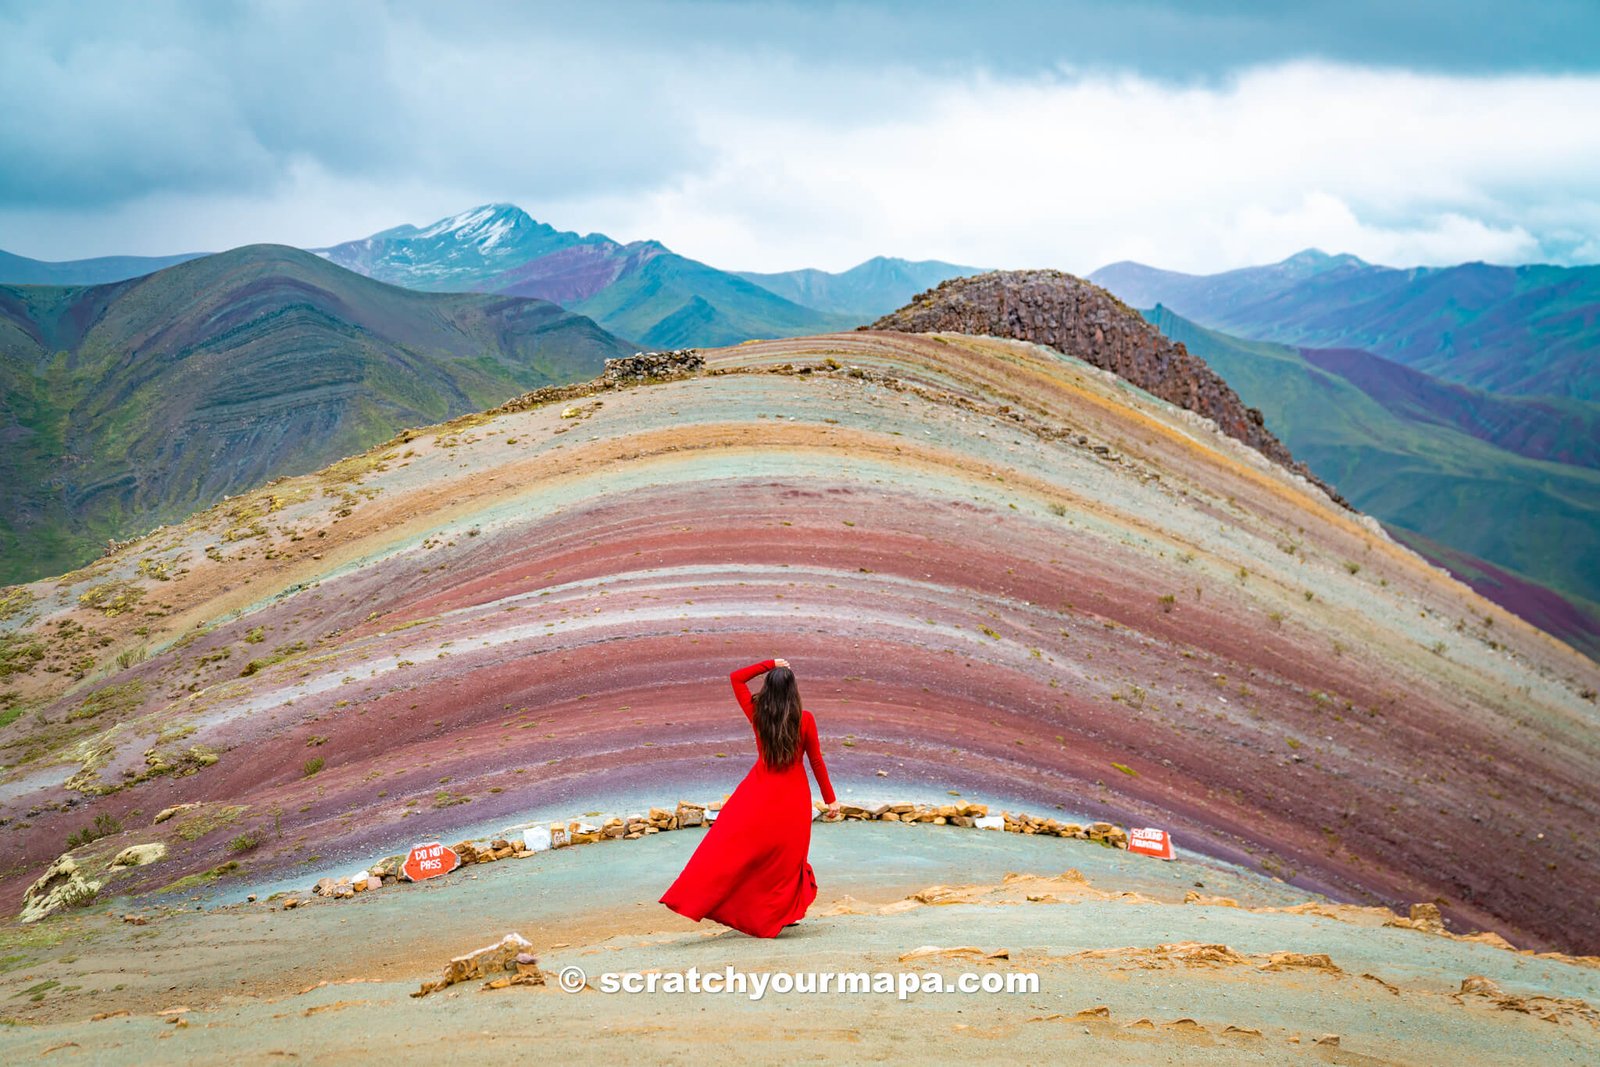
[[751, 870]]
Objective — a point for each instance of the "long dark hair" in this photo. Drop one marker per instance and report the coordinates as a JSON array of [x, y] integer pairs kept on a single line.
[[778, 719]]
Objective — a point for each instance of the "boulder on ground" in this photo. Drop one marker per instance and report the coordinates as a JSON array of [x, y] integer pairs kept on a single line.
[[1424, 917], [61, 886], [510, 957], [139, 855], [166, 813]]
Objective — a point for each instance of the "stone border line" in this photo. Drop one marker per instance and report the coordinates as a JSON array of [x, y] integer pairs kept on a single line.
[[514, 842]]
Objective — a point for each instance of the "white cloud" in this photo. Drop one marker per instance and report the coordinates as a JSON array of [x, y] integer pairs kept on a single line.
[[1393, 166], [768, 164]]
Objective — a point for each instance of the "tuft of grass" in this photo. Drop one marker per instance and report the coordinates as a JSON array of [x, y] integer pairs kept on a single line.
[[204, 878], [37, 992], [15, 601], [1125, 769], [19, 654], [118, 699], [112, 598], [245, 842], [1352, 566], [446, 799], [279, 654], [197, 826], [79, 895], [1167, 602], [312, 766], [105, 825]]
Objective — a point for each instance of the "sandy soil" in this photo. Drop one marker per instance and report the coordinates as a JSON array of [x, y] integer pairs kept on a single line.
[[1125, 968]]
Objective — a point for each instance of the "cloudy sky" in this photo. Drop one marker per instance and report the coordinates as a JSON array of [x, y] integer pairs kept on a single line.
[[767, 136]]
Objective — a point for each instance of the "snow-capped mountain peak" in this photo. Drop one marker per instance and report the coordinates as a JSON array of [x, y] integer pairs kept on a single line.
[[483, 226]]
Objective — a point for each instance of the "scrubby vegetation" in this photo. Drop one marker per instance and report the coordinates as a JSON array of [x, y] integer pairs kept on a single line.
[[198, 826], [279, 654], [245, 842], [14, 602], [112, 598], [118, 699], [204, 878], [104, 826], [19, 654]]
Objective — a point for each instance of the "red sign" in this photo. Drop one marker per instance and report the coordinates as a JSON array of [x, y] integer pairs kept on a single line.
[[1148, 841], [429, 861]]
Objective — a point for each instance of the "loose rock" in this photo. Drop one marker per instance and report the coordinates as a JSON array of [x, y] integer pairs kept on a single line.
[[508, 958], [62, 885], [139, 855]]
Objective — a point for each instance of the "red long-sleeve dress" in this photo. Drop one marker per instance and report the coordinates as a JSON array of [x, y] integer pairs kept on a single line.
[[751, 870]]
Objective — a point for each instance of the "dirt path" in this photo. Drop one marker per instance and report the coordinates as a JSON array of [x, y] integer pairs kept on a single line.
[[332, 979]]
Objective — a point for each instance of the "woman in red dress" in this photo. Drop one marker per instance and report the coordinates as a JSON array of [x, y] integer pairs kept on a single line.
[[751, 870]]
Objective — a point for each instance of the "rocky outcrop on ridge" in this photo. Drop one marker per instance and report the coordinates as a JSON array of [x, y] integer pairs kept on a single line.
[[1064, 312]]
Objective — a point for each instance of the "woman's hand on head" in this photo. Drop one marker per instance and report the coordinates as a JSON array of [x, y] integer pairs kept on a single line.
[[780, 663]]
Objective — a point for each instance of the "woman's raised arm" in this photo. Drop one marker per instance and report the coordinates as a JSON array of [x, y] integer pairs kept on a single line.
[[819, 770], [742, 691]]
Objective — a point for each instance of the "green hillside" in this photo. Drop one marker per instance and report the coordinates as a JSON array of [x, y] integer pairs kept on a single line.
[[1529, 330], [132, 404], [671, 301], [1536, 519]]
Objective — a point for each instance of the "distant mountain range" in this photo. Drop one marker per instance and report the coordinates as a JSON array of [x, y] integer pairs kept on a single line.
[[1504, 491], [1457, 404], [130, 404], [641, 290], [1520, 330], [864, 292], [20, 270]]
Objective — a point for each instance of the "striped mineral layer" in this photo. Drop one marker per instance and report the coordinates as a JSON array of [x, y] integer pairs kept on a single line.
[[997, 570]]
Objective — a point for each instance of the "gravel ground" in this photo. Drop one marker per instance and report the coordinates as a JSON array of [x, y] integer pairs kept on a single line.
[[332, 979]]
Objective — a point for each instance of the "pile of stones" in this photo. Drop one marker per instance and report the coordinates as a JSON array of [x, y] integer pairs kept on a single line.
[[966, 815], [1103, 833], [649, 366], [637, 369]]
